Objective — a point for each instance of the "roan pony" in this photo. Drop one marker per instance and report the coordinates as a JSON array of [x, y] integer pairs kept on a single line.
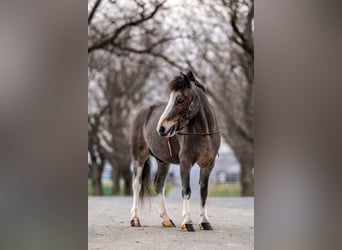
[[183, 131]]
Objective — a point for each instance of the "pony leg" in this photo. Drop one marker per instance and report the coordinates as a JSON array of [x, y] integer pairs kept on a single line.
[[186, 193], [204, 179], [136, 190], [159, 183]]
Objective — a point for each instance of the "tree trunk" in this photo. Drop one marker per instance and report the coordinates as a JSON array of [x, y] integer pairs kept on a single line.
[[247, 178], [126, 174], [116, 180], [121, 170], [128, 186], [96, 173], [244, 152], [245, 156]]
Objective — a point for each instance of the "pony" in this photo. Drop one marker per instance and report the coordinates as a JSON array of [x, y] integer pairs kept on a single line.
[[182, 131]]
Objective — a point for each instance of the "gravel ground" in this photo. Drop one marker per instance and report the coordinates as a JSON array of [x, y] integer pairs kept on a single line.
[[231, 218]]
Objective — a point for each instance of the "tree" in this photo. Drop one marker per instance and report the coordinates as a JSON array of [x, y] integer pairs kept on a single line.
[[135, 45], [233, 90], [121, 57], [97, 156]]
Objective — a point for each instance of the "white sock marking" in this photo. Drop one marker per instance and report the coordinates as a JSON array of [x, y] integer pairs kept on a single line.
[[203, 214], [162, 207], [186, 210], [136, 191]]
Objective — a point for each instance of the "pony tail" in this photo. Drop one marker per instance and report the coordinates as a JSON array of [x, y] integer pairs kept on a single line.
[[145, 181]]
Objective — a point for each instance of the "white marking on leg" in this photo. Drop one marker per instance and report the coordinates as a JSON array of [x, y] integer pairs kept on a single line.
[[162, 207], [136, 191], [203, 214], [186, 210], [167, 110]]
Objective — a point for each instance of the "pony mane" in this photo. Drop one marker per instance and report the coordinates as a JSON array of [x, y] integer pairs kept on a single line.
[[198, 84], [183, 81], [191, 77], [178, 83]]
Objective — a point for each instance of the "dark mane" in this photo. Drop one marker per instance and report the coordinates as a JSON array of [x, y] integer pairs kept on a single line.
[[192, 78], [178, 83], [182, 81], [200, 86]]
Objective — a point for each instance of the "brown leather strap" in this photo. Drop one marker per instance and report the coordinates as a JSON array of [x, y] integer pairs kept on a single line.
[[210, 133], [169, 145], [181, 133]]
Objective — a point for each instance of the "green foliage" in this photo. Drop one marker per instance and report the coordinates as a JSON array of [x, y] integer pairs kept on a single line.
[[107, 189], [168, 188], [225, 190]]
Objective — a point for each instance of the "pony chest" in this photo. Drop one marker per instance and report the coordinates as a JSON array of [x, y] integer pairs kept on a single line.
[[203, 152], [206, 158]]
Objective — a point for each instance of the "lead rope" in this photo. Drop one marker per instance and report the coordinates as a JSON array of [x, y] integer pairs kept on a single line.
[[180, 133], [169, 145], [210, 133]]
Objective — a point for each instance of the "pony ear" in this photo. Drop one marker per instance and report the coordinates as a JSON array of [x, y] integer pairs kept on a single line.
[[191, 77], [186, 80]]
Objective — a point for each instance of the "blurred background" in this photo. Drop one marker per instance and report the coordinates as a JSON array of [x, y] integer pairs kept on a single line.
[[135, 48], [43, 100]]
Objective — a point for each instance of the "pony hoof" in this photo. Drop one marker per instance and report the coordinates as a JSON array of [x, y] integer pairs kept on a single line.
[[135, 222], [205, 226], [188, 228], [168, 223]]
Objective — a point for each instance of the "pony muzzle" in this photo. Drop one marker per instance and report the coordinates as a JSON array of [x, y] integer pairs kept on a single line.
[[168, 131]]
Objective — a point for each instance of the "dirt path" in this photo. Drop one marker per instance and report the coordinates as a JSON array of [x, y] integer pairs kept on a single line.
[[231, 218]]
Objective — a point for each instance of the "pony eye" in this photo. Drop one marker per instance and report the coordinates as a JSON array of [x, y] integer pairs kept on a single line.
[[180, 101]]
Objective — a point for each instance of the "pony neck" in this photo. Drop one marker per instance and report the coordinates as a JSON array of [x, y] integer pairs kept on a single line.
[[203, 118]]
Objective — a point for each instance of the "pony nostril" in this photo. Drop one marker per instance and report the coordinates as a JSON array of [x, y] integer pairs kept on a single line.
[[161, 130]]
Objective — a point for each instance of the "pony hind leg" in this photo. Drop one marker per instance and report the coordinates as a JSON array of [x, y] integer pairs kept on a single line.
[[141, 179], [159, 183], [204, 180], [136, 186], [141, 168]]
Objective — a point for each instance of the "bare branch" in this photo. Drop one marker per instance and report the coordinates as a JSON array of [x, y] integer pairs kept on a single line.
[[155, 54], [150, 48], [111, 39], [93, 10]]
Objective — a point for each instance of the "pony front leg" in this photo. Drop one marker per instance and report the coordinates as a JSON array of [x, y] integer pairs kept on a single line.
[[186, 193], [204, 179]]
